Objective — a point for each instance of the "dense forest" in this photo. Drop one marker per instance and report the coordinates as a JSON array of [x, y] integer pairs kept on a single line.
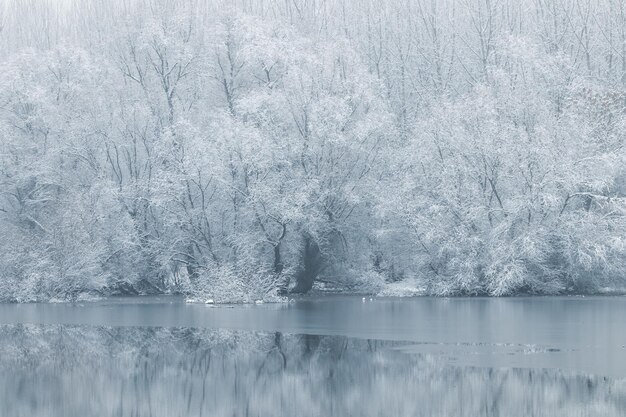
[[245, 149]]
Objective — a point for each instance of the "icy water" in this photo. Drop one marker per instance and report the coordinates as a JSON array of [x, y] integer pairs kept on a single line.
[[333, 356]]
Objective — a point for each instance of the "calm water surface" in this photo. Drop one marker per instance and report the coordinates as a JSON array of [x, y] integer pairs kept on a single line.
[[332, 356]]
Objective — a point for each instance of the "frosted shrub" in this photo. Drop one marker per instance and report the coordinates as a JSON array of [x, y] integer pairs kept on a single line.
[[230, 283], [368, 282], [408, 287]]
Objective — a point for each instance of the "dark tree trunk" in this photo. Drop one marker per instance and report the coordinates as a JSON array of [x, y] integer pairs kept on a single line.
[[278, 263], [312, 265], [278, 269], [279, 266], [191, 266]]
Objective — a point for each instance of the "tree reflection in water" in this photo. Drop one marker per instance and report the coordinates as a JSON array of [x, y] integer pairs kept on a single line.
[[131, 371]]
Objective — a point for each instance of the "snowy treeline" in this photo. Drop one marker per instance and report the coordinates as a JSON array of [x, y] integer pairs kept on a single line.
[[242, 149]]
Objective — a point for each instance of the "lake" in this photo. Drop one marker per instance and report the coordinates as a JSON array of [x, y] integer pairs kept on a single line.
[[316, 356]]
